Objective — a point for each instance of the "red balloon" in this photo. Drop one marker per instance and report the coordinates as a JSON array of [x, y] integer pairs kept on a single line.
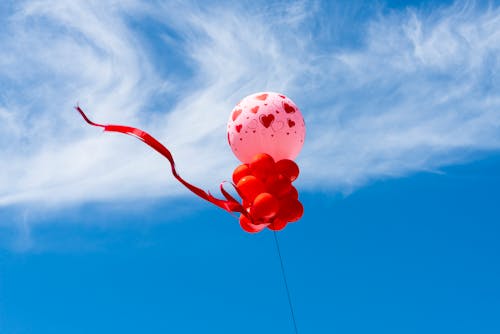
[[292, 193], [280, 186], [247, 225], [291, 210], [269, 179], [240, 172], [262, 165], [264, 205], [288, 168], [277, 224], [249, 187]]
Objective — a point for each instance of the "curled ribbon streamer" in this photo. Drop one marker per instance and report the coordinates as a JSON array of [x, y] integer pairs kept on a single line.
[[230, 204]]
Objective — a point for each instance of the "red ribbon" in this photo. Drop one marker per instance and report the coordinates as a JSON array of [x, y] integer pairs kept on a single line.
[[230, 204]]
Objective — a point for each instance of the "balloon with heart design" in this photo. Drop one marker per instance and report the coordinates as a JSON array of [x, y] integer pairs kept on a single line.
[[266, 122], [266, 132]]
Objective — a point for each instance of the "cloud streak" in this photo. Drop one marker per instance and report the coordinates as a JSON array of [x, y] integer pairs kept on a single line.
[[419, 94], [406, 91]]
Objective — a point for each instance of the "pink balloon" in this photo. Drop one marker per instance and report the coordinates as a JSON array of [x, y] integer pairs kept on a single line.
[[266, 122]]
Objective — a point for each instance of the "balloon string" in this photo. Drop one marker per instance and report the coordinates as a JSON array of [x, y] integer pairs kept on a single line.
[[292, 313], [230, 204]]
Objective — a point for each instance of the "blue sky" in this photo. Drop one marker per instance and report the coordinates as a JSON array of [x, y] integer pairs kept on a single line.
[[399, 173]]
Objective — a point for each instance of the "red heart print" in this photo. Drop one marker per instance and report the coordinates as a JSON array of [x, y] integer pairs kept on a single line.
[[288, 108], [291, 123], [236, 113], [266, 120], [255, 109], [238, 128], [262, 97]]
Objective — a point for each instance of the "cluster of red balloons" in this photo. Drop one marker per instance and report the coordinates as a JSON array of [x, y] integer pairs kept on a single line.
[[268, 195]]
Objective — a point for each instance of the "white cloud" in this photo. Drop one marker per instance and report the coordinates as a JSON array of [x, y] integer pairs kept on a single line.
[[417, 92], [54, 56], [420, 93]]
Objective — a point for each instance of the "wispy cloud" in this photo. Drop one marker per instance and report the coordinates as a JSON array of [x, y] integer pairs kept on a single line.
[[422, 92], [406, 91], [54, 55]]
